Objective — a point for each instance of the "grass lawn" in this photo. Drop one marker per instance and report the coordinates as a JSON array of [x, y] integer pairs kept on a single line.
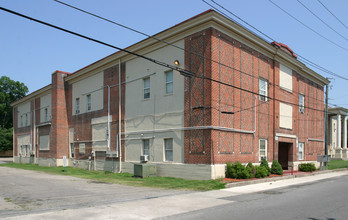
[[337, 164], [126, 178]]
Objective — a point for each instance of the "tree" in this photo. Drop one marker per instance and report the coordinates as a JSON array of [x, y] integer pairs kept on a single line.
[[10, 91], [6, 139]]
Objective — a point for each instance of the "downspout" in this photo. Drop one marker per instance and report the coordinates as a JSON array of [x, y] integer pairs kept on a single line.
[[119, 114], [34, 136], [108, 140], [274, 116]]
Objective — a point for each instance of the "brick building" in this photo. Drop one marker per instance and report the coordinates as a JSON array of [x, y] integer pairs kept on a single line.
[[248, 99]]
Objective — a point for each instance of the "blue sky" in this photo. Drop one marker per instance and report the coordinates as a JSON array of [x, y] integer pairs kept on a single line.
[[30, 52]]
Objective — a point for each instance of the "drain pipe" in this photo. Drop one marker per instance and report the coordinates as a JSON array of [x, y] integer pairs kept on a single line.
[[108, 140], [119, 114]]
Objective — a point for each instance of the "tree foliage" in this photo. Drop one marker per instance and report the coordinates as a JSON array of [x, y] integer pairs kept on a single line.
[[10, 91], [5, 139]]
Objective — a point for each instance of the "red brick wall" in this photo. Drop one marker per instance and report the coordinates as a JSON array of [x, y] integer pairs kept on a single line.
[[238, 67], [59, 135], [82, 122]]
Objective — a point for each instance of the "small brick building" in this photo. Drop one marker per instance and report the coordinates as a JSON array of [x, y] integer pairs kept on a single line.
[[248, 99]]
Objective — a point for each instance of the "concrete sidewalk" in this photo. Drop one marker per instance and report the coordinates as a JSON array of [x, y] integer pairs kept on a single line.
[[177, 204], [284, 177]]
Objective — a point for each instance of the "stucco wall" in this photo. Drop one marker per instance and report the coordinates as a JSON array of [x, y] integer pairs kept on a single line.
[[45, 103], [88, 86], [23, 113], [160, 116]]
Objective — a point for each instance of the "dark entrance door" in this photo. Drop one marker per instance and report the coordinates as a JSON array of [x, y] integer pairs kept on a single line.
[[283, 154]]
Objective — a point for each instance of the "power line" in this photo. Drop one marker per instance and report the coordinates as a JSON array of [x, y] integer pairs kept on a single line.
[[184, 72], [321, 20], [333, 14], [308, 26], [303, 58], [163, 41]]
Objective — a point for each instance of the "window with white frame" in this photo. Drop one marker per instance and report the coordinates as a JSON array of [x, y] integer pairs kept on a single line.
[[169, 82], [168, 149], [26, 119], [89, 103], [77, 105], [21, 121], [301, 103], [262, 149], [146, 147], [147, 88], [300, 151], [263, 89]]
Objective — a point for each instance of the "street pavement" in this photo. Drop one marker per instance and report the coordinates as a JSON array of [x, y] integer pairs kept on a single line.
[[32, 195]]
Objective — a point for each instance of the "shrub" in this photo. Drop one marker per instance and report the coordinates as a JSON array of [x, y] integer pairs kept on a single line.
[[261, 172], [276, 168], [237, 171], [307, 167], [251, 168], [264, 164]]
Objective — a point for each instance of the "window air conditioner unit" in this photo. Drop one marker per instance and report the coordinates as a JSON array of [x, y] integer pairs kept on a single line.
[[77, 111], [144, 158], [302, 110]]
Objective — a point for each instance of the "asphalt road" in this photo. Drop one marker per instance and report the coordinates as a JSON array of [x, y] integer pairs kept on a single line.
[[326, 199], [33, 195], [24, 192]]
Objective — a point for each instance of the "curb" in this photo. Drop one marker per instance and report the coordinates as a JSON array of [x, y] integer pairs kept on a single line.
[[274, 179]]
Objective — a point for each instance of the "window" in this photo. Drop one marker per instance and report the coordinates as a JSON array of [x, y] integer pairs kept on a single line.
[[77, 105], [168, 149], [301, 103], [285, 78], [25, 150], [21, 120], [147, 88], [300, 151], [44, 142], [285, 116], [82, 148], [146, 147], [263, 89], [89, 103], [169, 82], [46, 114], [26, 119], [72, 150], [262, 149]]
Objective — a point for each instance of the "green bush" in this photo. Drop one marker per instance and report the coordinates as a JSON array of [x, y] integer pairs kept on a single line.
[[251, 168], [237, 171], [307, 167], [264, 164], [261, 172], [276, 168]]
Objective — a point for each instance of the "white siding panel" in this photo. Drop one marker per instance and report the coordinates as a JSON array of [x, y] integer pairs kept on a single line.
[[285, 78], [44, 142], [285, 118]]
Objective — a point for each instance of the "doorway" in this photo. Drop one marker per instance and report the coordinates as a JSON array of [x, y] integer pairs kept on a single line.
[[284, 154]]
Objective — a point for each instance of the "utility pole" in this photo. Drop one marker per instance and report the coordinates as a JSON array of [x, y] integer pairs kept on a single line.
[[326, 123]]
